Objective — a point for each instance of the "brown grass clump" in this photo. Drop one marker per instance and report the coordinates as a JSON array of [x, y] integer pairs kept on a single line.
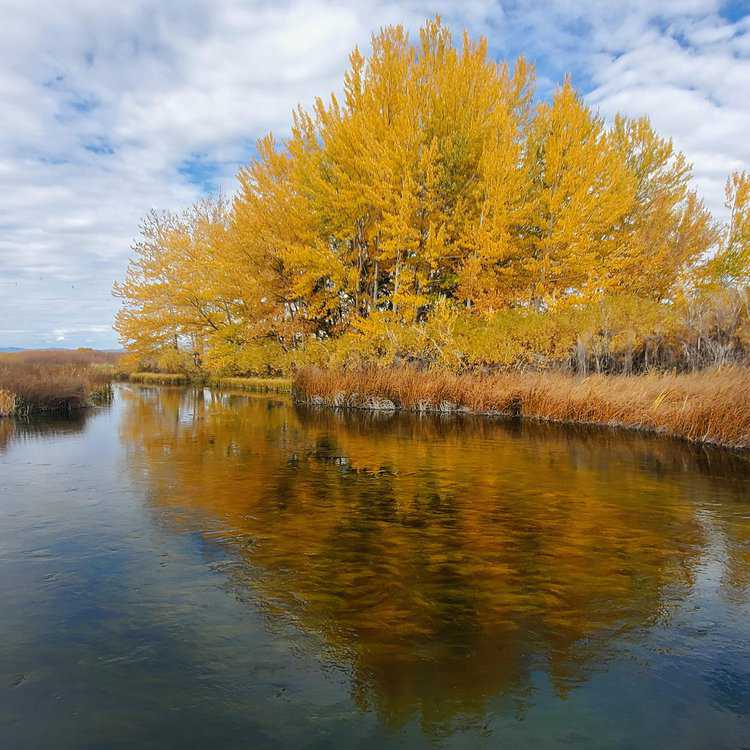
[[712, 406], [53, 381], [7, 403]]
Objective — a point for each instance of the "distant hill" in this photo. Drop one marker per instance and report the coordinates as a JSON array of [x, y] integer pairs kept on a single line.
[[8, 349]]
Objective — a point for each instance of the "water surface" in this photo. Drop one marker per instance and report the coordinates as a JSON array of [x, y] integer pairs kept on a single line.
[[195, 569]]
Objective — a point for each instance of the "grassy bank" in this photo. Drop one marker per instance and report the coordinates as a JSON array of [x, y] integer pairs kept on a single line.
[[260, 385], [159, 378], [708, 407], [53, 382]]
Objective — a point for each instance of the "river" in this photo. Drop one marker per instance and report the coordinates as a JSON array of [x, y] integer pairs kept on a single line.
[[191, 568]]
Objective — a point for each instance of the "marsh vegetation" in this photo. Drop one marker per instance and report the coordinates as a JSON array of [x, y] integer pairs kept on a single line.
[[712, 406], [54, 381]]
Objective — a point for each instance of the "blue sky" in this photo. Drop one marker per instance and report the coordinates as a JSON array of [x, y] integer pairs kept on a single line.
[[111, 109]]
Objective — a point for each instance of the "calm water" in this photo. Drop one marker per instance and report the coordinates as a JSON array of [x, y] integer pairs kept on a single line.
[[188, 569]]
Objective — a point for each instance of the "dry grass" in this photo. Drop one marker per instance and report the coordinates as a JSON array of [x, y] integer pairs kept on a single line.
[[31, 388], [708, 407], [54, 380], [57, 357], [262, 385], [159, 378], [7, 403]]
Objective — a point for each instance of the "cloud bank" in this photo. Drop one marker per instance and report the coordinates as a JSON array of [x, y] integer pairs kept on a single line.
[[111, 109]]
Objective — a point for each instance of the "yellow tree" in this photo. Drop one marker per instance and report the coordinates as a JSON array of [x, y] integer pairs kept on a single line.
[[488, 274], [731, 264], [667, 229], [580, 191], [170, 296], [271, 222], [431, 197]]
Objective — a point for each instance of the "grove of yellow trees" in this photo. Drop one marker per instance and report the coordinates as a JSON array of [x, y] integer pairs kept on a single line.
[[439, 212]]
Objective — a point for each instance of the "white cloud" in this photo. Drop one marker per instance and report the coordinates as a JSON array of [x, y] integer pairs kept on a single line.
[[105, 103], [691, 79]]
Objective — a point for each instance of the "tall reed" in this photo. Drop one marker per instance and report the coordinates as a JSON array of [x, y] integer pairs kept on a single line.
[[57, 357], [712, 406], [53, 381], [7, 403]]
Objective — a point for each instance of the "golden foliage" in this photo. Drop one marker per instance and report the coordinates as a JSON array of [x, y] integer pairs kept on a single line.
[[7, 403], [435, 212], [732, 262]]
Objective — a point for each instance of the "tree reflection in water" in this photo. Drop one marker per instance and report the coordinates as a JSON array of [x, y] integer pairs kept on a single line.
[[444, 561]]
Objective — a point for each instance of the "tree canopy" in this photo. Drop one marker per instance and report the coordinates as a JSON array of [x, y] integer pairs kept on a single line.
[[438, 195]]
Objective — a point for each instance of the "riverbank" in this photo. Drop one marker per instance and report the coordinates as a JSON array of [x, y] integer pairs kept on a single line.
[[711, 406], [159, 378], [258, 384]]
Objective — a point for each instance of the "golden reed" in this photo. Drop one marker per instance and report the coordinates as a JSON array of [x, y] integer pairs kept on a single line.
[[711, 406], [7, 403]]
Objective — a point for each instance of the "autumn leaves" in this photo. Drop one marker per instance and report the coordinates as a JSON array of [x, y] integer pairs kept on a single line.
[[436, 189]]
